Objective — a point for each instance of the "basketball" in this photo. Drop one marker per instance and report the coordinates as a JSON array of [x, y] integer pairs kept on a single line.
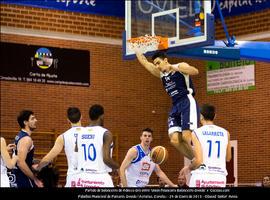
[[159, 154]]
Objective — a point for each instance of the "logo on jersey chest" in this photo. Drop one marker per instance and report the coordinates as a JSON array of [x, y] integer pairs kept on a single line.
[[167, 78], [145, 166]]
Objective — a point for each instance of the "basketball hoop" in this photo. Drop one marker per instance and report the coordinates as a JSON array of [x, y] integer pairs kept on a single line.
[[148, 43]]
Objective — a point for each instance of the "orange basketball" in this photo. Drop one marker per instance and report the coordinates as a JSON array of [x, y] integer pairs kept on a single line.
[[159, 154]]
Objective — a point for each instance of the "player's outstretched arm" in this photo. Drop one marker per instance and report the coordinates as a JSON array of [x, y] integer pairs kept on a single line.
[[148, 65], [186, 69], [57, 148], [131, 154], [163, 176], [107, 141], [10, 162]]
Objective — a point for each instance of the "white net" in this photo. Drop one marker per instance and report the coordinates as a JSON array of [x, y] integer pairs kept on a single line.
[[144, 44]]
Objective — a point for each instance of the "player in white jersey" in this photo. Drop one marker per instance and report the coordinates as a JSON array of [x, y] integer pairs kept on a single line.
[[95, 153], [137, 167], [6, 162], [68, 141], [211, 149]]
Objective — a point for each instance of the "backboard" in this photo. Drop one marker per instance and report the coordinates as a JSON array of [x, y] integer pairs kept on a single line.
[[184, 23]]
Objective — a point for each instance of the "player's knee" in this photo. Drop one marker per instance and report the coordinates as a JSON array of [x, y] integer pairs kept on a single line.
[[174, 139], [186, 136]]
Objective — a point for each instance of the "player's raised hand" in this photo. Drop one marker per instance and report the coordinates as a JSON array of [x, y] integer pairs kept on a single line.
[[11, 147]]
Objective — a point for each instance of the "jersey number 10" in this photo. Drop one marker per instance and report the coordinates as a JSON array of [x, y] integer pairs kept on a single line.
[[89, 152]]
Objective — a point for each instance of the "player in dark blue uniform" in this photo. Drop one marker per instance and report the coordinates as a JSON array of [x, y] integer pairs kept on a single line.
[[184, 115], [24, 177]]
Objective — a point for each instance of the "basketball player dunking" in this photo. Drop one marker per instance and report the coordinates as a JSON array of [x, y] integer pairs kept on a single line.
[[184, 115], [137, 167]]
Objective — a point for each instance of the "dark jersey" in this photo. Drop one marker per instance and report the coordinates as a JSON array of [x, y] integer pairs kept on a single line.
[[177, 85], [23, 181]]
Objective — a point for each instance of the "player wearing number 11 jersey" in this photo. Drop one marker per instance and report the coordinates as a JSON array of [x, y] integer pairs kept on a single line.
[[211, 149], [94, 152]]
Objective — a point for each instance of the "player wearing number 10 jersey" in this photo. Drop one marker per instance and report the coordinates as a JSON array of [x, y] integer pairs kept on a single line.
[[94, 153], [211, 149]]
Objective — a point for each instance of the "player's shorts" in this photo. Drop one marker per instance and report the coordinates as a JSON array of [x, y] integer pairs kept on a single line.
[[22, 181], [203, 180], [92, 180], [4, 180], [184, 115]]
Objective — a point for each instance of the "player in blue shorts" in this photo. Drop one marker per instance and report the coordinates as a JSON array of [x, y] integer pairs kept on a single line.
[[24, 177], [184, 115]]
